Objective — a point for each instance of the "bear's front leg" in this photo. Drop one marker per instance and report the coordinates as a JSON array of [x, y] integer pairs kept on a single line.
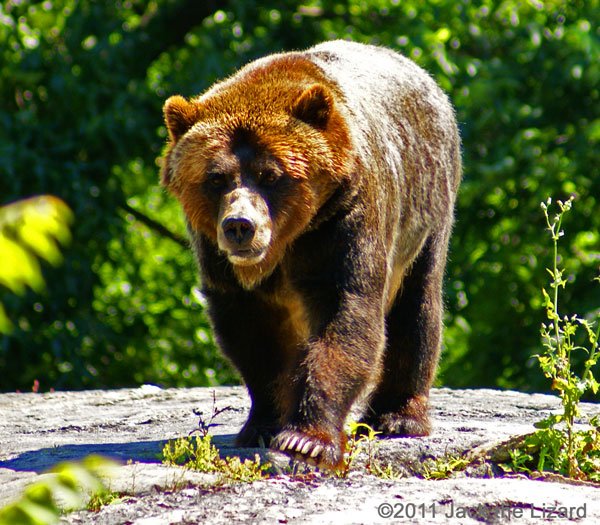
[[334, 369], [255, 336]]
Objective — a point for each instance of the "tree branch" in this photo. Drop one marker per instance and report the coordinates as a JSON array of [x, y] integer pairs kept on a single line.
[[156, 226]]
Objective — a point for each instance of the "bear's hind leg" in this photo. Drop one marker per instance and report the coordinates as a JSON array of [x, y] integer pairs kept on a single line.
[[399, 405]]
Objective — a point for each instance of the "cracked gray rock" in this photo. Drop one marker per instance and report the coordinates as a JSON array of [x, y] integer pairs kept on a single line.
[[38, 431]]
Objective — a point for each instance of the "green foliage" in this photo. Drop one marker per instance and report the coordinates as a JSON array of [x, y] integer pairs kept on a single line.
[[360, 434], [82, 120], [526, 90], [559, 341], [546, 450], [101, 499], [558, 447], [81, 89], [198, 453], [69, 487], [28, 230], [444, 467], [364, 439]]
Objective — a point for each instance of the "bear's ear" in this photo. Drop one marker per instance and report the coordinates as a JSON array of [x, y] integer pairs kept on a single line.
[[180, 115], [314, 106]]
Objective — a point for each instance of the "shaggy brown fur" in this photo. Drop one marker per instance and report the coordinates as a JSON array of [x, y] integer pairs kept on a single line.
[[319, 189]]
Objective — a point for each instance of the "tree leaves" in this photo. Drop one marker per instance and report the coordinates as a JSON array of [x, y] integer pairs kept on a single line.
[[30, 229]]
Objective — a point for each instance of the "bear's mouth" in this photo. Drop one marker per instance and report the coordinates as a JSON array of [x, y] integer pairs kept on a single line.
[[246, 257]]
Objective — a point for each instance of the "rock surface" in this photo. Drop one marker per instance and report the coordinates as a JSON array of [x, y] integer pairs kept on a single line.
[[37, 431]]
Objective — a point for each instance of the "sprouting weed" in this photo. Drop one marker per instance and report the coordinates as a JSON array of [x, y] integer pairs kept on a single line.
[[557, 446], [198, 453]]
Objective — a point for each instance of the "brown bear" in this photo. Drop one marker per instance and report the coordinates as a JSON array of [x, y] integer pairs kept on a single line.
[[319, 189]]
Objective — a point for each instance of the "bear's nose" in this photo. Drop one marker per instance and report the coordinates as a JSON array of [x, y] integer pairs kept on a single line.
[[238, 230]]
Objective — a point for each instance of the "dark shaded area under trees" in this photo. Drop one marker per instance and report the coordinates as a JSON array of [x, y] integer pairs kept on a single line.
[[81, 89]]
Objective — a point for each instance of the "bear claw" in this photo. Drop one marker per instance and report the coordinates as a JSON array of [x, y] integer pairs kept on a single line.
[[308, 449]]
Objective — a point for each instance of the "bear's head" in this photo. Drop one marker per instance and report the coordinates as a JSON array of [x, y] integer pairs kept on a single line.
[[253, 160]]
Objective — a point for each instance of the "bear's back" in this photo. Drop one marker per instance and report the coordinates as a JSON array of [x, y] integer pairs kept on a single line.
[[368, 74], [403, 115], [363, 66]]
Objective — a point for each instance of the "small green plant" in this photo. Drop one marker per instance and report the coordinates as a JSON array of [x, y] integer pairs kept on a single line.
[[355, 445], [364, 438], [444, 467], [546, 451], [557, 446], [97, 501], [198, 453]]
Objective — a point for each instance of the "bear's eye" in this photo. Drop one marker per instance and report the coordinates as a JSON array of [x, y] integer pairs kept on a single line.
[[268, 177], [215, 180]]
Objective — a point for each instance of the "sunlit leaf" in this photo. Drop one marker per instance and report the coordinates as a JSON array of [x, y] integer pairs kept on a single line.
[[28, 230], [19, 267]]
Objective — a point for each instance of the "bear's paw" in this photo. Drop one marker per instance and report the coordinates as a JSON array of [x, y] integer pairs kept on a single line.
[[319, 449]]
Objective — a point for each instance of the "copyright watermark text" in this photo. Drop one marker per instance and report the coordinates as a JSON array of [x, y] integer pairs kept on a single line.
[[411, 511]]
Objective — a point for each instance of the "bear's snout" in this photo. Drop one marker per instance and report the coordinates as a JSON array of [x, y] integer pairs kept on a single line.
[[244, 231], [239, 231]]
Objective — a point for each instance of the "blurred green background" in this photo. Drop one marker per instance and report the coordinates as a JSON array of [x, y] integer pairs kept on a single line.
[[81, 89]]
